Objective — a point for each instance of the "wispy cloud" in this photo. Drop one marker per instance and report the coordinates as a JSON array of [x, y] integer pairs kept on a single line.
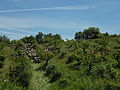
[[25, 25], [18, 24], [20, 27], [15, 0], [11, 33], [82, 7]]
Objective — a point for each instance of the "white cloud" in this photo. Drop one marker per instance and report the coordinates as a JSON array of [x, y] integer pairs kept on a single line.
[[23, 25], [20, 30], [11, 33], [18, 23], [82, 7], [19, 27]]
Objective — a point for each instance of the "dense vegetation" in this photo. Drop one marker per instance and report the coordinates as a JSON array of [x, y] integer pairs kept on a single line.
[[90, 61]]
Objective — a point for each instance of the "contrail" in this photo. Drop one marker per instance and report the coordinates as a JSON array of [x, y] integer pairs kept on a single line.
[[46, 9]]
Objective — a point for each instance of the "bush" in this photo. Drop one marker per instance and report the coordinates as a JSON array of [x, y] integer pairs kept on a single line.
[[75, 66], [39, 37], [55, 76], [63, 84], [42, 67], [19, 73], [1, 64], [72, 58], [1, 60], [62, 54], [52, 73], [4, 39], [90, 33], [30, 39], [49, 70]]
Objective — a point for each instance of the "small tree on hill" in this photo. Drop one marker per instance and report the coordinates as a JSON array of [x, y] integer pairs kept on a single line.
[[39, 37]]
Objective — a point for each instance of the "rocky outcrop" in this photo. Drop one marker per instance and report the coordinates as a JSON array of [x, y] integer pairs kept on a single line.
[[31, 52]]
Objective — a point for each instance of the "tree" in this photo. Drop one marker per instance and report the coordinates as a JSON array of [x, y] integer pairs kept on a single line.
[[91, 33], [57, 36], [39, 37], [4, 39], [29, 39], [79, 35]]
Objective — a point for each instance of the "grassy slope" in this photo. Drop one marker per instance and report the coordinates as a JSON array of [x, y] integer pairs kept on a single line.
[[38, 81]]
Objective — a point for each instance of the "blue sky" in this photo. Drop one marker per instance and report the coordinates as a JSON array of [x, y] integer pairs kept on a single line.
[[19, 18]]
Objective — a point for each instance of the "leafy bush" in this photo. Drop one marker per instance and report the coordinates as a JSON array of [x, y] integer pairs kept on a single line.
[[1, 60], [1, 64], [72, 58], [63, 84], [90, 33], [62, 54], [4, 39], [39, 37], [55, 76], [42, 67], [20, 73], [30, 39], [49, 70], [52, 73]]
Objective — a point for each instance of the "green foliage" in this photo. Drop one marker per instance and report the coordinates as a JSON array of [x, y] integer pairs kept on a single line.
[[49, 37], [79, 35], [29, 39], [2, 58], [84, 45], [90, 62], [41, 53], [63, 84], [19, 73], [72, 58], [117, 57], [52, 73], [39, 37], [90, 33], [62, 54], [4, 39]]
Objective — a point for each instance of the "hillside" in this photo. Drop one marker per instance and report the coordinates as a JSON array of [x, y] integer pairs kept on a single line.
[[90, 61]]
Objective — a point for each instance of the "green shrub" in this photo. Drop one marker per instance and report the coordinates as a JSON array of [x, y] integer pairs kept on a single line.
[[62, 54], [20, 73], [63, 84], [1, 64], [2, 58], [72, 58], [50, 69], [1, 61], [52, 73], [55, 76]]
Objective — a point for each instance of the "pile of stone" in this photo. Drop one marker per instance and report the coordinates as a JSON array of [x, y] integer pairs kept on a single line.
[[31, 52]]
